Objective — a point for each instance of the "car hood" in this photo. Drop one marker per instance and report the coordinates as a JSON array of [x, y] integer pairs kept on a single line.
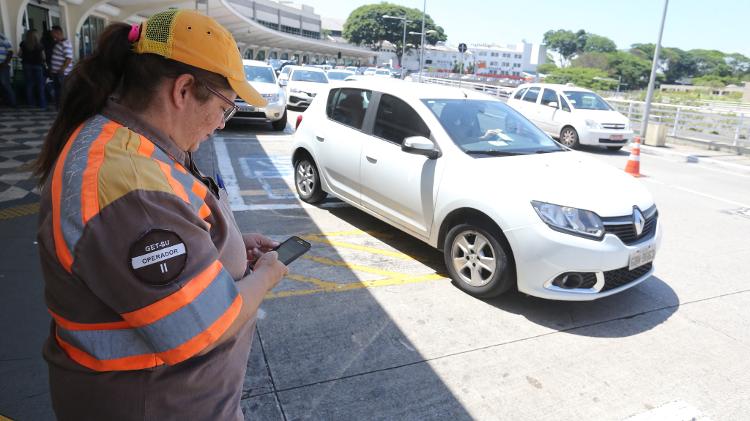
[[602, 116], [313, 87], [265, 88], [564, 178]]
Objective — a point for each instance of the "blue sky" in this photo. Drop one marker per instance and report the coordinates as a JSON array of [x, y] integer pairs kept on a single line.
[[715, 24]]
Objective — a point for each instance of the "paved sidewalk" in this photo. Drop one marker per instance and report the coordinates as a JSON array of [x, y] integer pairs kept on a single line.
[[700, 155]]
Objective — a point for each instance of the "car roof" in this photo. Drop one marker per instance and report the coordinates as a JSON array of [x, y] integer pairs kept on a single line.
[[557, 86], [404, 89], [310, 68], [256, 63]]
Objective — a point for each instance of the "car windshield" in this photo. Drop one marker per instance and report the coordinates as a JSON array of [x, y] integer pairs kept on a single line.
[[338, 75], [587, 101], [259, 74], [487, 127], [382, 72], [309, 76]]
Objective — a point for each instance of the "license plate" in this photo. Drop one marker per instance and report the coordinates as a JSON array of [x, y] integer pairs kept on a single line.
[[642, 256], [247, 108], [616, 137]]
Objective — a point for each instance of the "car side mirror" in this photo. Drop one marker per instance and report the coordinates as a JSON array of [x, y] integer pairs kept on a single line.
[[553, 104], [420, 145], [282, 82]]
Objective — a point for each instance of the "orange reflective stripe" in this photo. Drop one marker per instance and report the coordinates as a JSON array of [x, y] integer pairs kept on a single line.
[[174, 301], [146, 148], [180, 168], [135, 362], [201, 191], [205, 338], [90, 182], [176, 186], [70, 325], [64, 256]]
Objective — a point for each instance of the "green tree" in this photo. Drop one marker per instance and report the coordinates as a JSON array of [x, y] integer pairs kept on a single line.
[[566, 43], [582, 76], [366, 26], [599, 44], [546, 68], [594, 60], [633, 70]]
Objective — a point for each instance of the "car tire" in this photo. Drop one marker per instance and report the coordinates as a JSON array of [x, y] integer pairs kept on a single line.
[[569, 137], [614, 148], [307, 181], [484, 272], [280, 124]]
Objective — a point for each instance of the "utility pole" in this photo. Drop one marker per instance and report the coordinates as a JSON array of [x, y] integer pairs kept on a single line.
[[421, 45], [652, 79]]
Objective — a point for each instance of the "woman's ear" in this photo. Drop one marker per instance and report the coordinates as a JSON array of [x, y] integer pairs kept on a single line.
[[180, 92]]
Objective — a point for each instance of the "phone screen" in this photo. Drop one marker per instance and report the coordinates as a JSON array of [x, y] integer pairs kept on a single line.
[[291, 249]]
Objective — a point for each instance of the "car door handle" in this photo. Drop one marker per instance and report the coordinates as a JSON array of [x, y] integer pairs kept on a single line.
[[371, 159], [320, 138]]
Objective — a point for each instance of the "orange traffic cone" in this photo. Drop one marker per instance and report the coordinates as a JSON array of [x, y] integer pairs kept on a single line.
[[634, 161]]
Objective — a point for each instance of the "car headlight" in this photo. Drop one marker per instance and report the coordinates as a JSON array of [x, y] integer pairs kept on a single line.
[[591, 124], [271, 97], [570, 220]]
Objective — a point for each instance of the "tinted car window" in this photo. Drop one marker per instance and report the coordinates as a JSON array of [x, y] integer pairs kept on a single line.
[[303, 75], [519, 94], [259, 74], [587, 101], [331, 102], [349, 106], [564, 104], [396, 120], [531, 95], [548, 96]]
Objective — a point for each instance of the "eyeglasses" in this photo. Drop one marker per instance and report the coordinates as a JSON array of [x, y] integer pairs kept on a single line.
[[229, 112]]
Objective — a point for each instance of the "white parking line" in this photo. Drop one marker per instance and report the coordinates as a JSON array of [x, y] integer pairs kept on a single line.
[[706, 195]]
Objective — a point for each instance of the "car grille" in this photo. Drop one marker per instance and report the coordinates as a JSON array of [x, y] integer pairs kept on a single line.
[[613, 126], [623, 227], [255, 114], [619, 277]]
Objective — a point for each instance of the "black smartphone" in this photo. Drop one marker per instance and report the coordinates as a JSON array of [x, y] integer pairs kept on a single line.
[[292, 248]]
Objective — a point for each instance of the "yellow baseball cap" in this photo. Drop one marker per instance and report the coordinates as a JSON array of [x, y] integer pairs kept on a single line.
[[192, 38]]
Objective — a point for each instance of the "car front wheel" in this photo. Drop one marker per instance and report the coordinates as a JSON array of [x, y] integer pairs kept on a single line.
[[477, 262], [569, 137], [280, 124], [307, 181]]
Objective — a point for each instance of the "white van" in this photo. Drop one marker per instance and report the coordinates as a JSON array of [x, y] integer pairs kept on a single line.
[[576, 116]]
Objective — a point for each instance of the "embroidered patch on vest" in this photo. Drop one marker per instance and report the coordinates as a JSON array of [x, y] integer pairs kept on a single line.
[[158, 257]]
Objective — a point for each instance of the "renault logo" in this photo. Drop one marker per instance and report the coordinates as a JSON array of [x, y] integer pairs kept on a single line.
[[638, 221]]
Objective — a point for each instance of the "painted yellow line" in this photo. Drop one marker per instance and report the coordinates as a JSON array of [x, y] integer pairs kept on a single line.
[[358, 247], [18, 211], [366, 269], [339, 233], [326, 287], [253, 193]]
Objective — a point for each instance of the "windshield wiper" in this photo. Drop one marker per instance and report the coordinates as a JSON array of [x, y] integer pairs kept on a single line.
[[549, 151], [494, 153]]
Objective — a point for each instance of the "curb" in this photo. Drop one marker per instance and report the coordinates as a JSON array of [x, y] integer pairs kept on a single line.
[[696, 159]]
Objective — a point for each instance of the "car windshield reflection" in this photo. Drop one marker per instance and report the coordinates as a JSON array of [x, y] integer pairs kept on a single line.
[[587, 101], [259, 74], [309, 76], [489, 128]]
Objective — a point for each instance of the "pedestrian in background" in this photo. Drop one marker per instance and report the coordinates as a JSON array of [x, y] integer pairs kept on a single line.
[[61, 62], [32, 59], [6, 53], [145, 269]]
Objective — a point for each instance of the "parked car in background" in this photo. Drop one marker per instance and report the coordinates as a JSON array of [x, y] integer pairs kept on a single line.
[[370, 71], [303, 84], [576, 116], [336, 76], [263, 78], [352, 69], [469, 175], [382, 72]]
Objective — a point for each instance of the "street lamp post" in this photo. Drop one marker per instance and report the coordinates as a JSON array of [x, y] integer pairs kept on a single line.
[[403, 43], [421, 47], [652, 79]]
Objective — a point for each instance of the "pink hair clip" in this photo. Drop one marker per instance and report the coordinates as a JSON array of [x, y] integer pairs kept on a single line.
[[135, 33]]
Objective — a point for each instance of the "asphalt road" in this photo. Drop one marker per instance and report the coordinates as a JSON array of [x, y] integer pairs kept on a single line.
[[367, 326]]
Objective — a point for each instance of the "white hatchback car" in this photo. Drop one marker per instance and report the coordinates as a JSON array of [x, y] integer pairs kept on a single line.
[[262, 77], [303, 84], [577, 116], [467, 174]]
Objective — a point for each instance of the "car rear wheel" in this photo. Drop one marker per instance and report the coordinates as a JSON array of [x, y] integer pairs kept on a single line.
[[569, 137], [307, 181], [477, 262], [280, 124]]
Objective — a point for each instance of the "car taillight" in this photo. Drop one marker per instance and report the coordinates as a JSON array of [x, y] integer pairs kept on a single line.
[[299, 120]]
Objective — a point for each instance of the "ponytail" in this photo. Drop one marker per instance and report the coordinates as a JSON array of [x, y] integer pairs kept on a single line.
[[85, 92]]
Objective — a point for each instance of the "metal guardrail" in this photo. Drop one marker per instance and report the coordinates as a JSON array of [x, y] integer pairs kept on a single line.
[[495, 90]]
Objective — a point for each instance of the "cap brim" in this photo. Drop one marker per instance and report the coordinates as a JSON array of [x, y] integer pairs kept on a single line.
[[243, 89]]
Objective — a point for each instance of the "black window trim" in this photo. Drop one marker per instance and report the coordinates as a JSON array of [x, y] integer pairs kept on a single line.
[[371, 127], [367, 112]]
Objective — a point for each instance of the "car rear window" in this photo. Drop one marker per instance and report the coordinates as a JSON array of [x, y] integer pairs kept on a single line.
[[519, 94], [350, 106], [531, 95]]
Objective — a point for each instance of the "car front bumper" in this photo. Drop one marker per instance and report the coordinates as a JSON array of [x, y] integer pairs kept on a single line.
[[542, 254], [300, 99], [605, 137], [273, 111]]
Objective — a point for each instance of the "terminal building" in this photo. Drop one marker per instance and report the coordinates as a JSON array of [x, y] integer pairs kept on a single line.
[[264, 29]]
